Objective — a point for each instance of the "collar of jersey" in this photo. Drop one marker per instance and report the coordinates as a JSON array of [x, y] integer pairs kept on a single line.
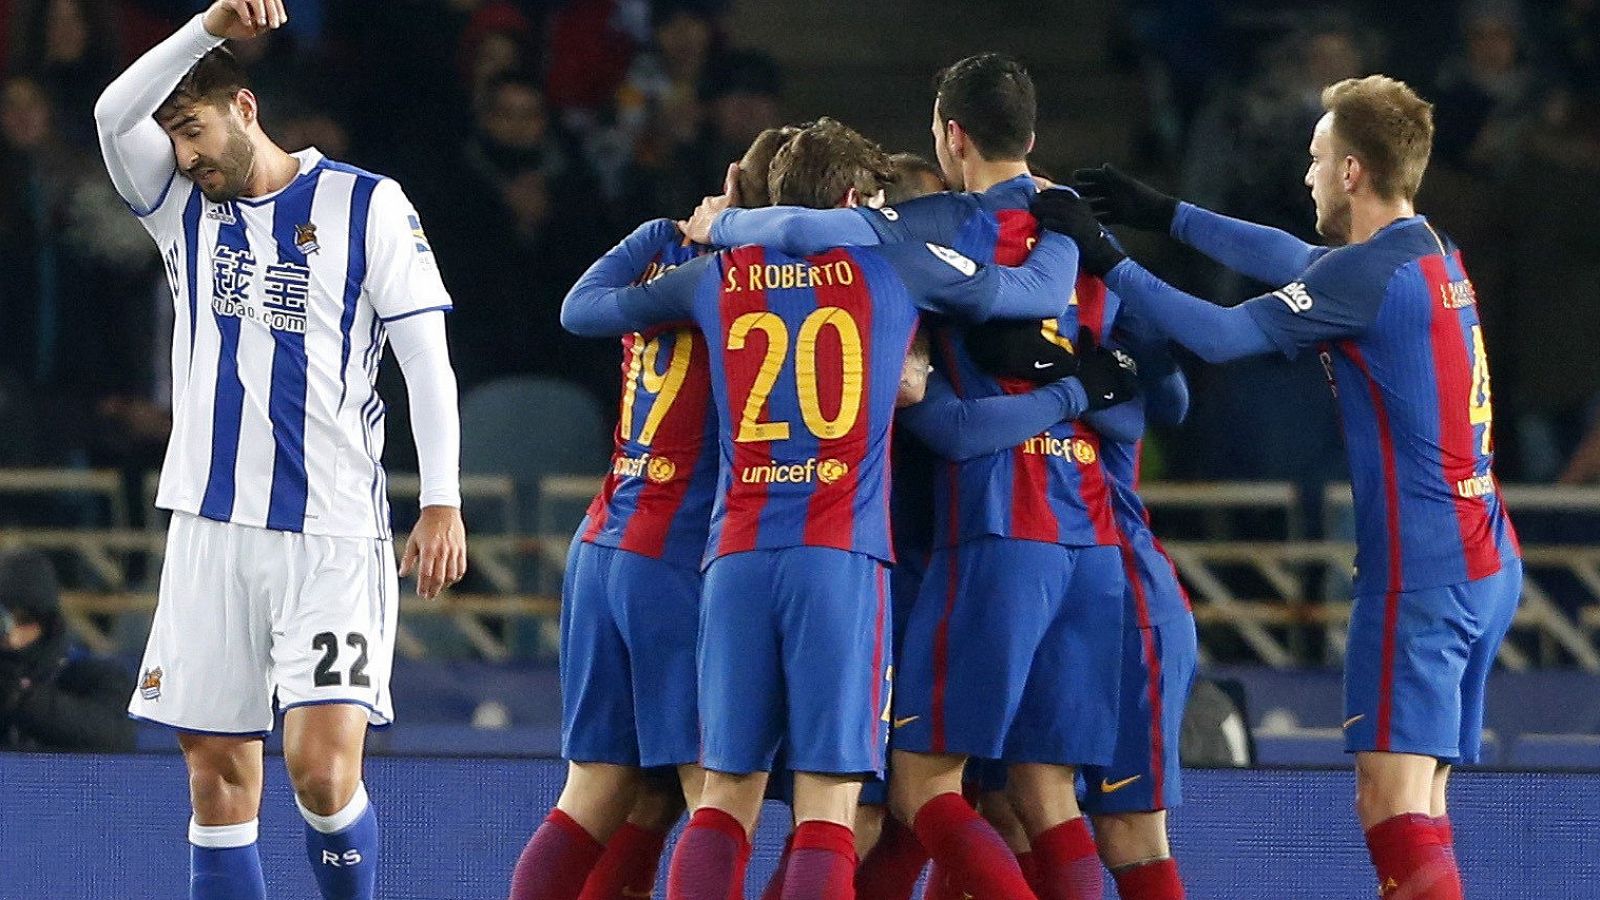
[[1398, 224], [309, 158], [1022, 184]]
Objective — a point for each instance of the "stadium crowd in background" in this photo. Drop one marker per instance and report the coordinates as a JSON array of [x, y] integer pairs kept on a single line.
[[519, 113]]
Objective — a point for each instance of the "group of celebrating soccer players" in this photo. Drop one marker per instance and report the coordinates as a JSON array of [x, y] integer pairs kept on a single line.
[[984, 666]]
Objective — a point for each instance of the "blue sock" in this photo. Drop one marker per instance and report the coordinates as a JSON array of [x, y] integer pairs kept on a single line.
[[343, 849], [224, 863]]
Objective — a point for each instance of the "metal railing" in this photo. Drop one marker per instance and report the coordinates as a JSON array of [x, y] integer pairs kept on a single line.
[[1283, 599]]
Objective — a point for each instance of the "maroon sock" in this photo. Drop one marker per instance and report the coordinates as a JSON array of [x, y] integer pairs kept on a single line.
[[1069, 864], [941, 886], [708, 863], [774, 889], [891, 869], [1412, 864], [556, 861], [969, 849], [1029, 864], [628, 866], [1156, 880], [823, 864], [1447, 836]]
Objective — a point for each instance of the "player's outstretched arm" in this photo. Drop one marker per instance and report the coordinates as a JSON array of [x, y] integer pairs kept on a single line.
[[605, 303], [944, 281], [1263, 253], [959, 430], [137, 153], [1214, 333], [796, 230], [437, 548]]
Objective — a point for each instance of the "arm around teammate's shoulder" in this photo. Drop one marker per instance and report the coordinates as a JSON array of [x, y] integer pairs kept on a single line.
[[605, 303]]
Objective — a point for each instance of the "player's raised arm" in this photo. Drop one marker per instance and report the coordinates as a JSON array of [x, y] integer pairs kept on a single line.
[[605, 302], [137, 151], [409, 296], [1263, 253]]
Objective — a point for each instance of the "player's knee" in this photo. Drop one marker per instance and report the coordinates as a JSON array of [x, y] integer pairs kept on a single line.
[[325, 788], [1127, 839], [224, 779]]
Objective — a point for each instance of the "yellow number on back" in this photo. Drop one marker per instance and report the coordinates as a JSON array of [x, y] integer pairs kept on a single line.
[[750, 428], [851, 379], [1480, 409], [805, 373], [643, 375]]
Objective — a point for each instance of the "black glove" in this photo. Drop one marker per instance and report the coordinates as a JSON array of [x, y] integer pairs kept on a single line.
[[1012, 348], [1066, 213], [1109, 376], [1119, 199]]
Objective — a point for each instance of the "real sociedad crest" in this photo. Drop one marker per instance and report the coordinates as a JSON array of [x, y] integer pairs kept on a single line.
[[305, 238]]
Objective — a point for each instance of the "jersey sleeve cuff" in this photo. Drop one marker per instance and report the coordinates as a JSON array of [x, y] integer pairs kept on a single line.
[[416, 312]]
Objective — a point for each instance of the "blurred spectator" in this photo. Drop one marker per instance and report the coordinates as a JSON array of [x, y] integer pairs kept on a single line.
[[1552, 276], [499, 39], [52, 696], [78, 271], [1247, 157], [69, 46], [518, 221], [591, 44], [738, 98], [1489, 95]]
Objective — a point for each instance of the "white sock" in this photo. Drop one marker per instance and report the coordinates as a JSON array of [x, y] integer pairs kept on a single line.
[[223, 837], [340, 820]]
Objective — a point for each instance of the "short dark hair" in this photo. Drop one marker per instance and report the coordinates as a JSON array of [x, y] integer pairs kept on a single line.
[[818, 166], [216, 79], [992, 96]]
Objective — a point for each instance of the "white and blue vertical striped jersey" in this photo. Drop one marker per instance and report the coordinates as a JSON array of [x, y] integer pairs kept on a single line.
[[280, 305]]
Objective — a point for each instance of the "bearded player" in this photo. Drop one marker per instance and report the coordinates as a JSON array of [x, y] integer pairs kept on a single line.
[[289, 273], [1393, 315]]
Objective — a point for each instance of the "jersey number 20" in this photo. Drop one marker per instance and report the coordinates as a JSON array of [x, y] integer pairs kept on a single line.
[[751, 428]]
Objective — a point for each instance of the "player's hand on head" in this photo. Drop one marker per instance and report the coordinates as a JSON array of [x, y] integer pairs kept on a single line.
[[698, 228], [1109, 376], [1120, 199], [1064, 212], [239, 20], [436, 551]]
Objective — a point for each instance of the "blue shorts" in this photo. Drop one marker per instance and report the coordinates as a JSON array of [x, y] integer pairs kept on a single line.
[[1160, 653], [1014, 652], [1158, 665], [1418, 664], [794, 648], [628, 627]]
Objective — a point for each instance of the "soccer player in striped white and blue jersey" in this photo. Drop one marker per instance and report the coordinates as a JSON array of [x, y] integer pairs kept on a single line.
[[1394, 318], [289, 273]]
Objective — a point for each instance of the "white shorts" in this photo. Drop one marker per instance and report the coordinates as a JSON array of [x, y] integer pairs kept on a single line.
[[248, 617]]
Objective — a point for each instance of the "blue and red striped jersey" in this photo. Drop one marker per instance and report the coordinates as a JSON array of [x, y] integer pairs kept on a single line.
[[1052, 487], [1396, 322], [657, 496], [1121, 460], [805, 357]]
